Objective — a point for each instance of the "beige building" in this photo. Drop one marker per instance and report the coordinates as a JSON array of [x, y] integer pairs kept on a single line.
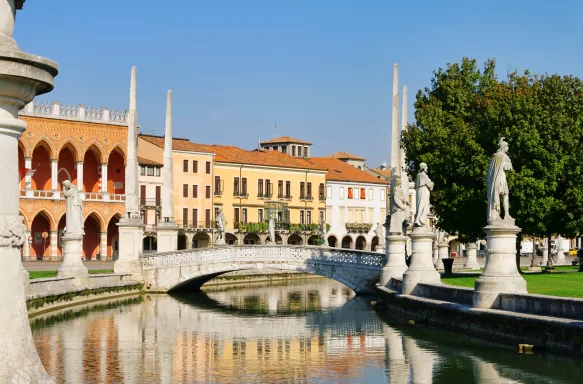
[[288, 145]]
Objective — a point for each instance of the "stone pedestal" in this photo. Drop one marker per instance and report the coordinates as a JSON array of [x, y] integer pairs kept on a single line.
[[130, 247], [545, 250], [395, 256], [472, 253], [441, 254], [220, 241], [167, 236], [72, 265], [500, 273], [435, 253], [22, 76], [562, 250], [421, 269]]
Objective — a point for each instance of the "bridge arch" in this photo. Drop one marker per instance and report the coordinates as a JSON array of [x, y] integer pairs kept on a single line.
[[190, 269]]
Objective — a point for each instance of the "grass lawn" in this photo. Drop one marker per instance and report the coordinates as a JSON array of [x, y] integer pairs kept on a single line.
[[44, 274], [559, 284]]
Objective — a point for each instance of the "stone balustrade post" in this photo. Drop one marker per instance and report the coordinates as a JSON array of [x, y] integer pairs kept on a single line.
[[81, 112], [105, 114], [56, 111]]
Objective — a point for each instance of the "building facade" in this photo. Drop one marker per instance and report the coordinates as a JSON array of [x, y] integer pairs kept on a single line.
[[86, 146], [288, 145], [355, 205]]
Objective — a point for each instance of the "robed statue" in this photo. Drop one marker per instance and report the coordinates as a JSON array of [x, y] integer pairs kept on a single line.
[[221, 227], [324, 233], [380, 234], [74, 215], [271, 229], [397, 208], [496, 182], [423, 188]]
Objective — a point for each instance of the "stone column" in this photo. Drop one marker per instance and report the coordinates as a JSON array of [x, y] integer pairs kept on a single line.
[[421, 361], [189, 237], [167, 229], [131, 226], [395, 256], [28, 177], [54, 245], [80, 176], [103, 245], [472, 260], [395, 132], [104, 178], [500, 273], [441, 254], [435, 252], [26, 247], [55, 175], [545, 250], [22, 76], [421, 269], [72, 265], [72, 340], [562, 249]]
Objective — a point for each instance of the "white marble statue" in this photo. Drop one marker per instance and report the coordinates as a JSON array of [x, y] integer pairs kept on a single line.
[[271, 228], [398, 207], [324, 233], [380, 234], [423, 188], [221, 226], [74, 205], [496, 182]]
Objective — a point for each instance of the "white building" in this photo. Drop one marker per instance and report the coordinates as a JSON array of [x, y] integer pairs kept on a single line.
[[355, 205], [150, 195]]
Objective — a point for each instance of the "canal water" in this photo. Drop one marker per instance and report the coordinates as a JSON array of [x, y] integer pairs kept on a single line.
[[308, 331]]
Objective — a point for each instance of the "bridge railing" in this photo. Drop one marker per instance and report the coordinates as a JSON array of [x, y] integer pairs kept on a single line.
[[268, 254]]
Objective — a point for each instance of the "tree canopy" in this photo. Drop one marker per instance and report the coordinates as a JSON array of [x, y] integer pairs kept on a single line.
[[461, 117]]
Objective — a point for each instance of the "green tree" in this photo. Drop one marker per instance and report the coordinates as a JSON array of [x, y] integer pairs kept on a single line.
[[459, 120]]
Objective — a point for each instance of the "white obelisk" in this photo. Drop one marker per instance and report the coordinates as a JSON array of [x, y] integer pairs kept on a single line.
[[395, 133], [167, 230], [131, 226]]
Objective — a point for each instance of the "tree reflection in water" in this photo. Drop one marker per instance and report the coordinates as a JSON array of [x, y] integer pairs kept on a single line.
[[307, 331]]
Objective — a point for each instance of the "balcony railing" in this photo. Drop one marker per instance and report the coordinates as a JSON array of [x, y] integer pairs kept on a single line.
[[58, 195], [196, 224], [358, 227], [150, 202], [240, 194], [306, 198], [322, 197]]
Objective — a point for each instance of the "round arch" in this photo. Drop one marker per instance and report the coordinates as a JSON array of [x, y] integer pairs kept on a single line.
[[231, 239], [117, 147], [67, 164], [98, 217], [116, 171], [347, 242], [314, 240], [113, 236], [374, 243], [201, 240], [21, 164], [93, 226], [92, 169], [295, 239], [50, 217], [71, 147], [26, 152], [149, 244], [360, 243], [25, 220], [332, 241], [41, 224], [252, 238], [44, 140], [42, 154]]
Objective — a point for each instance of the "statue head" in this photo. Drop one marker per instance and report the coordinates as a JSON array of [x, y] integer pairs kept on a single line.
[[67, 184], [422, 167], [398, 181], [502, 145]]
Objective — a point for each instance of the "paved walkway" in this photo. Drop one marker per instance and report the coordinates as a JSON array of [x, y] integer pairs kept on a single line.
[[54, 265]]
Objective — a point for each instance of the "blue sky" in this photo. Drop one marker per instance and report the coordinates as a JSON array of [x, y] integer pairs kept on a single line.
[[320, 69]]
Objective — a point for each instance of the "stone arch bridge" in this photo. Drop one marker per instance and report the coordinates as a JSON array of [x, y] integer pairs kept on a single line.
[[189, 269]]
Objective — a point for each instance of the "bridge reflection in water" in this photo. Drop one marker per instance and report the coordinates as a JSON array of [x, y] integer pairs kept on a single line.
[[314, 331]]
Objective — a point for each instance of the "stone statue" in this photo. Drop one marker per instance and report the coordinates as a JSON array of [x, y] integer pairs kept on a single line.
[[442, 237], [74, 218], [271, 228], [398, 208], [496, 182], [13, 231], [324, 233], [423, 188], [380, 234], [221, 227]]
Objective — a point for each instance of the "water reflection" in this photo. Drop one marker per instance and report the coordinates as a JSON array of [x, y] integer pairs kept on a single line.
[[314, 331]]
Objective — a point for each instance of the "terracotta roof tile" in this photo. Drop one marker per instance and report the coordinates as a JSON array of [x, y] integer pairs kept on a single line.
[[144, 161], [285, 139], [340, 171], [345, 155], [386, 172], [236, 155]]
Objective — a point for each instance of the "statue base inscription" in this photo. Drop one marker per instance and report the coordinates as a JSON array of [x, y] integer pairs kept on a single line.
[[72, 265], [421, 269], [396, 265], [500, 273]]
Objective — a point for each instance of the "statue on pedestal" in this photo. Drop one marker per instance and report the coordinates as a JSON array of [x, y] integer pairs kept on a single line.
[[423, 188], [398, 208], [496, 182], [271, 229], [74, 216], [324, 234], [220, 227], [380, 234]]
